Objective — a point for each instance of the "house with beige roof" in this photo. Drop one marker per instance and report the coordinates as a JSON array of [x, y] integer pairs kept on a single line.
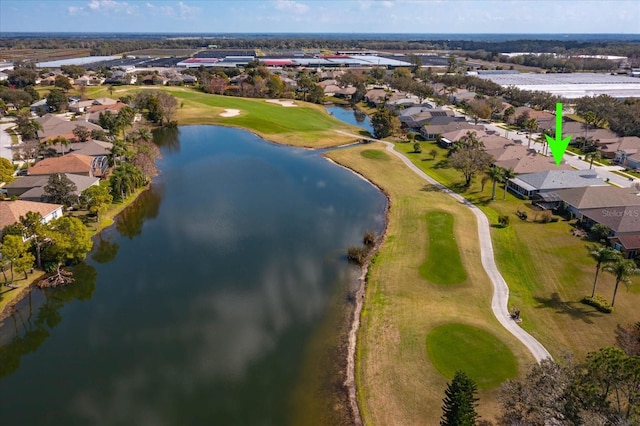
[[91, 147], [433, 131], [11, 211], [624, 222], [626, 153], [523, 160], [71, 163], [594, 197], [53, 126]]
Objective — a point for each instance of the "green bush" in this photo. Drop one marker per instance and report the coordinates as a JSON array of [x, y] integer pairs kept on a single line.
[[598, 302], [503, 220]]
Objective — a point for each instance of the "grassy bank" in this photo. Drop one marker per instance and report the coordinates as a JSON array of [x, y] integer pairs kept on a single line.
[[548, 269], [397, 382]]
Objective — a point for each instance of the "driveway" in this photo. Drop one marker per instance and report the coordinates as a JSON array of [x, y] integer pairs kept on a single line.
[[5, 141]]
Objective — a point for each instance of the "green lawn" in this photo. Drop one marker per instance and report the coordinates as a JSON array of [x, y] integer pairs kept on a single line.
[[397, 383], [375, 154], [481, 355], [548, 270], [443, 264], [306, 125]]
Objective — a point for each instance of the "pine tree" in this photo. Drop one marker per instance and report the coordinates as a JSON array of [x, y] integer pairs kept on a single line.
[[460, 402]]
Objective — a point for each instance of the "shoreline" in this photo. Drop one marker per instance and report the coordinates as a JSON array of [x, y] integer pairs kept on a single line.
[[104, 223], [359, 298], [348, 342]]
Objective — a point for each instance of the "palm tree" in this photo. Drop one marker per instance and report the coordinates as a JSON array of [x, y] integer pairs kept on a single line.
[[496, 175], [543, 139], [145, 135], [61, 140], [623, 269], [594, 155], [603, 257], [506, 175], [531, 125]]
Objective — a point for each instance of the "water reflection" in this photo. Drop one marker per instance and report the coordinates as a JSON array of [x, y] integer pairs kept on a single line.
[[104, 250], [28, 332], [204, 314], [168, 139], [146, 206]]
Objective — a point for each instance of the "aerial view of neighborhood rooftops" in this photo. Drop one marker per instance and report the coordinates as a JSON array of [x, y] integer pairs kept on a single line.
[[620, 81]]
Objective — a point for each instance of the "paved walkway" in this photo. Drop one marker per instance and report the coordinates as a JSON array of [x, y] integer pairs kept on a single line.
[[499, 302]]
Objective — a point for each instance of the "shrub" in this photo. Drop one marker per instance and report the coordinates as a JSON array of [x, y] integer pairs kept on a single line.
[[417, 148], [598, 302], [545, 216], [503, 220], [369, 239], [357, 254]]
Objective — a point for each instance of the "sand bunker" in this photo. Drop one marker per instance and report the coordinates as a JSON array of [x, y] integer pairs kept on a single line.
[[230, 113], [281, 102]]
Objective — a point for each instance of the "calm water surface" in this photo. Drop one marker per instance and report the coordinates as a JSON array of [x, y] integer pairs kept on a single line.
[[215, 299], [348, 115]]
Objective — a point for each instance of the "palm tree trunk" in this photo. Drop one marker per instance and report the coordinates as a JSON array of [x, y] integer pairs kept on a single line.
[[615, 290], [493, 190], [595, 281]]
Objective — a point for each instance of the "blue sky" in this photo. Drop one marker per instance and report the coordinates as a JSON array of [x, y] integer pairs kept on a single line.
[[343, 16]]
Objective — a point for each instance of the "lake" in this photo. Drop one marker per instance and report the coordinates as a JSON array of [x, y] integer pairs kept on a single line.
[[219, 297], [351, 116]]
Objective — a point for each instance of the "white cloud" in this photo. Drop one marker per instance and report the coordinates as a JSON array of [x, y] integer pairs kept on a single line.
[[187, 11], [112, 6], [387, 3], [74, 10], [292, 6]]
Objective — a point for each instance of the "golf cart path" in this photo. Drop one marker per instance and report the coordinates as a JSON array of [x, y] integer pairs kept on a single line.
[[499, 301]]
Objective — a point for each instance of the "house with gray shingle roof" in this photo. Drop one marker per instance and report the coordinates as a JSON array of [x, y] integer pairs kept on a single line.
[[529, 184], [31, 188]]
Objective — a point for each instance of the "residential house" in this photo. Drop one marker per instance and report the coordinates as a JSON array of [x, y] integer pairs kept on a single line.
[[624, 222], [627, 151], [54, 126], [80, 106], [594, 197], [11, 211], [92, 148], [121, 78], [523, 160], [433, 131], [425, 116], [71, 163], [40, 107], [31, 188], [90, 80], [376, 97], [530, 184], [94, 111]]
